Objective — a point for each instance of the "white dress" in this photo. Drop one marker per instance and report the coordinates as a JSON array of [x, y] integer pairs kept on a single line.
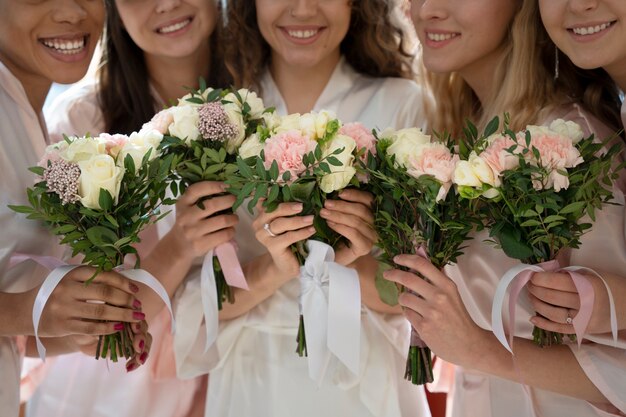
[[477, 274], [254, 370], [23, 144], [77, 385]]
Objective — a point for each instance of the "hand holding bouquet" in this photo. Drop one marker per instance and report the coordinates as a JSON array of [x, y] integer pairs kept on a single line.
[[539, 190], [98, 193]]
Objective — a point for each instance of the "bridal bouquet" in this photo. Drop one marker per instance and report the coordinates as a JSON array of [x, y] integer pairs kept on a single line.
[[203, 134], [539, 189], [416, 211], [98, 193], [309, 158]]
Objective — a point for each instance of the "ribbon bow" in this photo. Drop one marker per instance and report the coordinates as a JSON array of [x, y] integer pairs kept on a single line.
[[233, 274], [518, 276], [330, 303]]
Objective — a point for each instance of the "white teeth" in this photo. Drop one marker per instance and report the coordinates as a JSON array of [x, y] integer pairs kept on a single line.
[[591, 29], [302, 34], [174, 27], [440, 37], [64, 46]]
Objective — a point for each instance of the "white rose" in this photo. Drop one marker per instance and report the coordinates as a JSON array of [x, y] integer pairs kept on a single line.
[[289, 122], [340, 176], [83, 148], [482, 170], [233, 112], [255, 102], [272, 121], [185, 124], [464, 175], [251, 147], [569, 129], [99, 172], [406, 143], [139, 143]]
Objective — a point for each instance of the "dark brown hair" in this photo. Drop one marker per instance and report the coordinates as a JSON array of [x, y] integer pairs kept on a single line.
[[124, 92], [373, 45]]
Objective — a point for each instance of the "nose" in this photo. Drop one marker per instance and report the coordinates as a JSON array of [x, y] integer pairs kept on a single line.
[[69, 11], [164, 6], [429, 9], [303, 9], [581, 6]]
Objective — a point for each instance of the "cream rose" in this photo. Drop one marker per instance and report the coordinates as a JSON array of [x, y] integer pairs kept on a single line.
[[185, 124], [569, 129], [251, 147], [289, 123], [482, 170], [183, 100], [233, 112], [98, 172], [340, 176], [82, 149], [464, 175], [272, 121], [405, 144], [139, 143], [255, 102]]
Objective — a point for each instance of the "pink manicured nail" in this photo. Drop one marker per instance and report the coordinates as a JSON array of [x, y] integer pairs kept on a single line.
[[143, 357], [138, 315], [141, 345], [133, 287], [118, 326], [330, 203], [137, 305]]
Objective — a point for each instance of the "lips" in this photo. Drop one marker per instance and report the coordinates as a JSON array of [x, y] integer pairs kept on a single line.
[[66, 45], [175, 26], [591, 29]]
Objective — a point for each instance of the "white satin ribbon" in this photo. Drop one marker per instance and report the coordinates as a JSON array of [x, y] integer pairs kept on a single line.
[[519, 275], [330, 303]]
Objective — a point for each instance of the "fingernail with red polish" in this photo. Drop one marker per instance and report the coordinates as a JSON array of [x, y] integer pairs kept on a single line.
[[131, 367], [139, 316], [133, 287], [118, 326], [143, 357], [141, 345], [137, 305]]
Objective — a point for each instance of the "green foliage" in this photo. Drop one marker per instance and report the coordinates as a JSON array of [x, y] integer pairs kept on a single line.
[[104, 236]]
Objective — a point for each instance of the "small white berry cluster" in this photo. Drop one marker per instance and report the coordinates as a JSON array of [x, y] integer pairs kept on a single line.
[[62, 178]]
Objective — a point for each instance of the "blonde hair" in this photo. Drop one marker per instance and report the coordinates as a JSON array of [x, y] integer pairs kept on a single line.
[[524, 84]]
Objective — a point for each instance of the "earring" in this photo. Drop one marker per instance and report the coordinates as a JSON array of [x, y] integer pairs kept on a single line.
[[556, 62]]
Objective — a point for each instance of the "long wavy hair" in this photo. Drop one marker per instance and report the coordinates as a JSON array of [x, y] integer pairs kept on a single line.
[[524, 84], [124, 91], [373, 45]]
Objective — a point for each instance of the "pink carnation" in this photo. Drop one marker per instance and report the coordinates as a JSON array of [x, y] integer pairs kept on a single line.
[[362, 137], [287, 149], [434, 159], [497, 156], [160, 122]]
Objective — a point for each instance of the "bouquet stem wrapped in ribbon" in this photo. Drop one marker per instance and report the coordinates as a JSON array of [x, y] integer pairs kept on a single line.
[[203, 134], [416, 213], [536, 188], [309, 158], [98, 193]]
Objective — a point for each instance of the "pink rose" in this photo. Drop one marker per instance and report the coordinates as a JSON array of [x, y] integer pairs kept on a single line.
[[363, 137], [497, 156], [113, 143], [287, 149], [434, 159], [160, 121]]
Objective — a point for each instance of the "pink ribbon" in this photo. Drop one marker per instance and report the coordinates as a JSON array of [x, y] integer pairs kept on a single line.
[[233, 275], [518, 276], [227, 255]]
